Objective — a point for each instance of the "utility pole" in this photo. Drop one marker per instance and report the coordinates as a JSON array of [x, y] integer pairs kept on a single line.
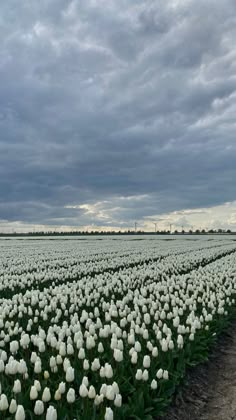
[[135, 226]]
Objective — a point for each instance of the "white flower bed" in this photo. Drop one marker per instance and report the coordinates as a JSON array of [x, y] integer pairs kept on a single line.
[[105, 329]]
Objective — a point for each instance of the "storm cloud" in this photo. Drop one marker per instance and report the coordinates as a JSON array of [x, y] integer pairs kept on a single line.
[[116, 111]]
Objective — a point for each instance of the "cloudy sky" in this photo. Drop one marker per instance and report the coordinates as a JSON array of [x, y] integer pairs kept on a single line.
[[117, 111]]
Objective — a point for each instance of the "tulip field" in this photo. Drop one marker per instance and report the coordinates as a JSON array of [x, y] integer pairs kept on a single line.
[[106, 327]]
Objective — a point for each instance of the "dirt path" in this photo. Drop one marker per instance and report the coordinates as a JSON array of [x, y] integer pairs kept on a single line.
[[211, 390], [221, 404]]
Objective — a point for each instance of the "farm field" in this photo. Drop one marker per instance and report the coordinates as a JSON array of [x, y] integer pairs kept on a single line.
[[105, 327]]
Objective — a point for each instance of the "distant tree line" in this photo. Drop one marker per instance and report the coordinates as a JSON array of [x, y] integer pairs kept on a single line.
[[203, 232], [128, 232]]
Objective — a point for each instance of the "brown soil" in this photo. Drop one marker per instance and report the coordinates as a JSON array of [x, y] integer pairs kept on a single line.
[[211, 390]]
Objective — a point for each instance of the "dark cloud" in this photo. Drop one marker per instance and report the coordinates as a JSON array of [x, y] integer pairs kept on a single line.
[[112, 101]]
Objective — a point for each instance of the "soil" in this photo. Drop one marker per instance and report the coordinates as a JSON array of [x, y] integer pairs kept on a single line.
[[210, 393]]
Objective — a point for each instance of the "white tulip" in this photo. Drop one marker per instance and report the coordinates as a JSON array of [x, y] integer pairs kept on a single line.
[[38, 408], [2, 367], [110, 394], [51, 413], [154, 384], [118, 400], [159, 374], [118, 355], [46, 374], [70, 396], [91, 392], [146, 362], [100, 348], [62, 387], [81, 354], [57, 395], [109, 414], [139, 375], [13, 406], [33, 393], [38, 366], [46, 395], [83, 391], [95, 365], [20, 413], [70, 374], [145, 375], [37, 385], [86, 364], [3, 402], [17, 386], [166, 374], [85, 381]]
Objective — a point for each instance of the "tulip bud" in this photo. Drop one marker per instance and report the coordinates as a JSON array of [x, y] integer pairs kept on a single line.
[[2, 367], [155, 352], [3, 403], [98, 399], [57, 395], [85, 381], [33, 357], [46, 395], [81, 354], [13, 406], [180, 341], [134, 357], [20, 413], [46, 374], [118, 400], [139, 375], [38, 408], [110, 394], [108, 371], [103, 389], [91, 392], [33, 393], [70, 396], [17, 386], [146, 362], [164, 345], [145, 375], [14, 347], [70, 374], [83, 391], [62, 387], [165, 374], [51, 413], [159, 374], [118, 355], [95, 365], [86, 364], [37, 385], [115, 388], [154, 384], [108, 414], [100, 348], [38, 366], [59, 360]]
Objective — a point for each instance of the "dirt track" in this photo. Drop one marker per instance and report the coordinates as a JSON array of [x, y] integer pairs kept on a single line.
[[211, 390]]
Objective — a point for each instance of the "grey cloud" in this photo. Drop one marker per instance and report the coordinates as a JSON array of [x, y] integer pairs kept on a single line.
[[99, 101]]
